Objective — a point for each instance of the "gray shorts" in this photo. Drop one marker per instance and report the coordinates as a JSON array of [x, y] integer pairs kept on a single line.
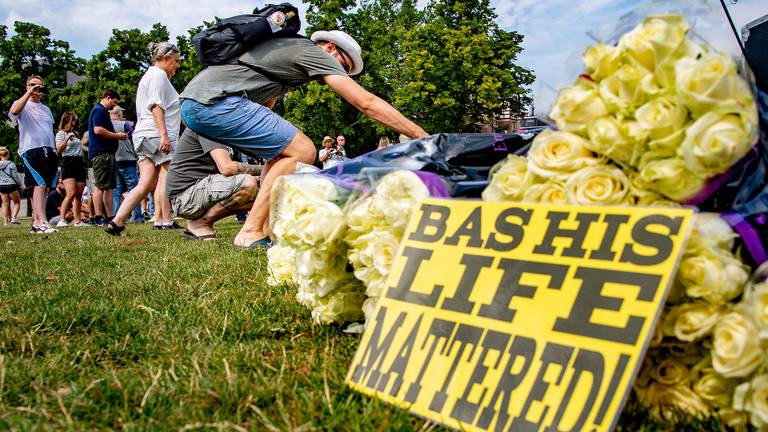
[[198, 198], [150, 148]]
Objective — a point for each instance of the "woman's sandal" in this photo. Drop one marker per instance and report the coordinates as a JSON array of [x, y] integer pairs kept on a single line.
[[113, 229]]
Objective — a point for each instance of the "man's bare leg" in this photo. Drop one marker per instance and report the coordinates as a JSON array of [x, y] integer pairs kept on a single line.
[[300, 149], [237, 202]]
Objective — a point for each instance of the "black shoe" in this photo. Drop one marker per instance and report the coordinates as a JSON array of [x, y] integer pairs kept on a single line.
[[97, 220], [112, 229]]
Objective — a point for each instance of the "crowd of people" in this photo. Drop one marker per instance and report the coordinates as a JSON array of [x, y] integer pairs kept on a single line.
[[191, 153]]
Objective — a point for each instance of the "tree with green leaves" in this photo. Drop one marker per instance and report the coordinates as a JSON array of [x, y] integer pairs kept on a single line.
[[31, 51], [459, 68]]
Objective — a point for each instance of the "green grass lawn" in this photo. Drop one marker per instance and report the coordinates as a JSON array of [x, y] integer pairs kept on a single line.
[[150, 331]]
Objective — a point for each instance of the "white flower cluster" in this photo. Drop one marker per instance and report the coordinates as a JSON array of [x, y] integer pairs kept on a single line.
[[560, 169], [662, 105], [375, 225], [311, 252], [709, 332]]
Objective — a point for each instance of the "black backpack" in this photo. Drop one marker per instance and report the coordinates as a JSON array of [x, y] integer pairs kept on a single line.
[[228, 39]]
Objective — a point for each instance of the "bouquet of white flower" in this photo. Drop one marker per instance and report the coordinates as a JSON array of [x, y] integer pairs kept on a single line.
[[310, 251], [662, 105], [375, 226]]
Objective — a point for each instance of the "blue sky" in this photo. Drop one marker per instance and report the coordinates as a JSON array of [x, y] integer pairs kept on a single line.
[[556, 31]]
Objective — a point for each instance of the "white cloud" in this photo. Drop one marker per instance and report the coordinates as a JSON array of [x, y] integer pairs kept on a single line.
[[88, 24]]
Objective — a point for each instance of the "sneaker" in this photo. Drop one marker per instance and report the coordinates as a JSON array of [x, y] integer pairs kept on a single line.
[[135, 220], [62, 224], [42, 229], [15, 222], [82, 224], [96, 220]]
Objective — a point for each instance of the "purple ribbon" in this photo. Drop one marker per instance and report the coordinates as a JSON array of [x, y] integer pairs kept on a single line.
[[748, 234], [717, 182], [434, 183]]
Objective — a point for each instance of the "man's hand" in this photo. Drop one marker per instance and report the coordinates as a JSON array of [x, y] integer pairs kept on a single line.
[[165, 144]]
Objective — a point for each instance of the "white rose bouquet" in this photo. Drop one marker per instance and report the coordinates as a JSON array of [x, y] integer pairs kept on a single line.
[[663, 105], [310, 251], [375, 225]]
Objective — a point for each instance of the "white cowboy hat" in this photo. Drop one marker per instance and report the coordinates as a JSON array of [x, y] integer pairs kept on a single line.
[[346, 43]]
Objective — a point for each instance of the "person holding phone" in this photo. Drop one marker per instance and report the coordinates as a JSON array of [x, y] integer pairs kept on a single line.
[[36, 148], [69, 147]]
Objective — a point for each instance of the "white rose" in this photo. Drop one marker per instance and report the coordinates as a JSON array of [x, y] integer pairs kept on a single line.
[[710, 231], [752, 397], [557, 154], [576, 106], [672, 178], [667, 402], [670, 372], [549, 192], [662, 117], [736, 350], [756, 302], [320, 224], [714, 275], [711, 81], [601, 60], [696, 320], [397, 195], [281, 264], [716, 141], [342, 306], [601, 184], [371, 256], [361, 217], [509, 179], [715, 388], [616, 139], [626, 89], [659, 37]]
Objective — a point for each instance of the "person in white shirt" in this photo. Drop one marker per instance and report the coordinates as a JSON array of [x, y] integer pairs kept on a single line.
[[37, 148], [328, 155], [154, 137]]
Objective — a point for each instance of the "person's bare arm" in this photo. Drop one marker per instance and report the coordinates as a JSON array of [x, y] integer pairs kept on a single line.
[[104, 133], [373, 106], [19, 104], [227, 167]]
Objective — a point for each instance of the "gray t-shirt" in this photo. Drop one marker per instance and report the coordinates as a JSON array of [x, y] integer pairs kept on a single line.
[[9, 175], [125, 151], [292, 61], [191, 162]]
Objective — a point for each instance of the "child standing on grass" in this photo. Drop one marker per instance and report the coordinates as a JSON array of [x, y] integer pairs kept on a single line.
[[10, 185]]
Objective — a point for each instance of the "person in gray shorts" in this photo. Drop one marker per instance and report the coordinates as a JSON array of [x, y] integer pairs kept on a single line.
[[204, 184]]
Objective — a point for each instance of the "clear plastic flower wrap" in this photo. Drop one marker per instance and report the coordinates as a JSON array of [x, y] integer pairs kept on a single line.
[[377, 219], [307, 219], [657, 100]]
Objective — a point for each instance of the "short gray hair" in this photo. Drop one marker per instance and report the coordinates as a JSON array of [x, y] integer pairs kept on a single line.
[[160, 50]]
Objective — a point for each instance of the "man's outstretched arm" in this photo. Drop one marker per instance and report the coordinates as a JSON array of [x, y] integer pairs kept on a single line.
[[373, 106]]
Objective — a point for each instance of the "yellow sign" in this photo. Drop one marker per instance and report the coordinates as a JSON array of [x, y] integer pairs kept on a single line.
[[522, 317]]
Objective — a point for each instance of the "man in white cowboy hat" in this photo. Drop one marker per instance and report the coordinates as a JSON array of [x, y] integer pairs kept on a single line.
[[231, 104]]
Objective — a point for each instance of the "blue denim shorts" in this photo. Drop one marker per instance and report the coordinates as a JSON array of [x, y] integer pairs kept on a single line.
[[240, 123]]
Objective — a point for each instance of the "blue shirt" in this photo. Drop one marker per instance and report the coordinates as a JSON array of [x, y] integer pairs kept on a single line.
[[97, 145]]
